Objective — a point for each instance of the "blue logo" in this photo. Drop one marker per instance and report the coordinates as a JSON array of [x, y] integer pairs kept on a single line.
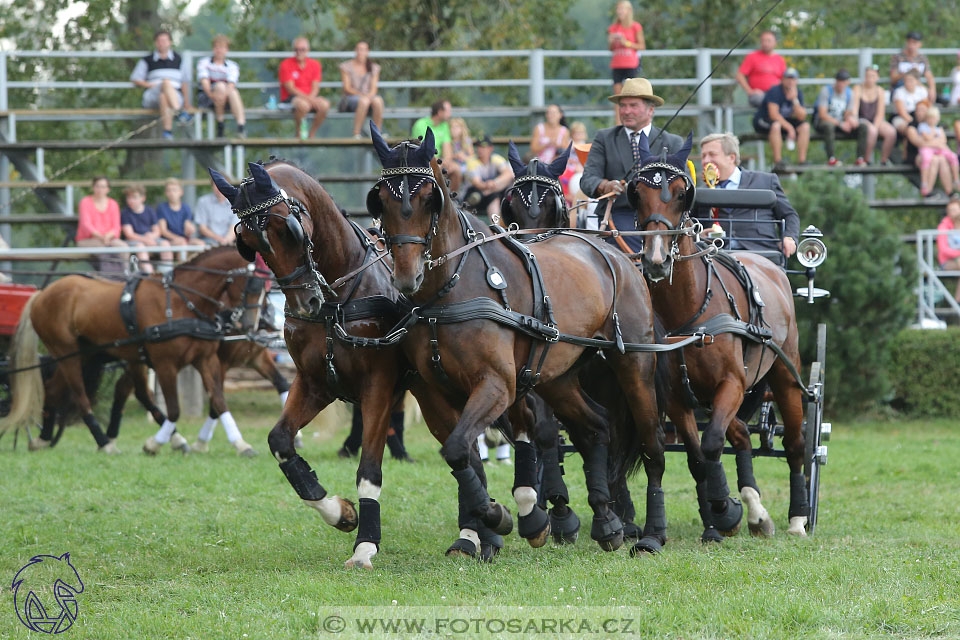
[[34, 583]]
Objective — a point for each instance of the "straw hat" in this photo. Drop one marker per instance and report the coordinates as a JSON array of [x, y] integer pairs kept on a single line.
[[636, 88]]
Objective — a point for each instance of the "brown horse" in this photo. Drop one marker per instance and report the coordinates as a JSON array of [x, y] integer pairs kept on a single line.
[[690, 290], [78, 319], [472, 346], [293, 223]]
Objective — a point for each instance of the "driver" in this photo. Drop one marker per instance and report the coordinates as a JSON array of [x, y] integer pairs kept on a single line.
[[748, 229]]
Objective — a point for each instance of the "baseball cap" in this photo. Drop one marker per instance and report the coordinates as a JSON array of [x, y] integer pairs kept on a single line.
[[791, 73], [914, 35], [843, 74], [485, 141]]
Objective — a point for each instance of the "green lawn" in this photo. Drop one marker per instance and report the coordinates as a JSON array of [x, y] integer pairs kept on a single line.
[[217, 546]]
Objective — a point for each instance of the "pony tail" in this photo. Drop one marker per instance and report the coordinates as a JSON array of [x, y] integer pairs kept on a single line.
[[26, 402]]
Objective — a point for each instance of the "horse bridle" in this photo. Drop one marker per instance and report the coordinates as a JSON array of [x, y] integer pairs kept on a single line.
[[535, 199], [402, 190], [256, 217]]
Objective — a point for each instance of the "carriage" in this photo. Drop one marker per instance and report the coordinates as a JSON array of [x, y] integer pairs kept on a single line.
[[13, 297]]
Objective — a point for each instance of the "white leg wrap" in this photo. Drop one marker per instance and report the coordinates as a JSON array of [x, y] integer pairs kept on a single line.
[[283, 398], [329, 509], [798, 526], [482, 445], [526, 497], [166, 430], [503, 451], [362, 556], [755, 509], [230, 426], [206, 431], [471, 535], [366, 489]]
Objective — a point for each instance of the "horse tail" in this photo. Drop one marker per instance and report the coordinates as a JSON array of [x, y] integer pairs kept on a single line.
[[26, 384]]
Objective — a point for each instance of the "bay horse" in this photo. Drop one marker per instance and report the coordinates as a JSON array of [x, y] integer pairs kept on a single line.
[[484, 333], [747, 302], [172, 322], [290, 220]]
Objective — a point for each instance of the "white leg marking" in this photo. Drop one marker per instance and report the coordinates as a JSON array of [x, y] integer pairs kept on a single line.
[[482, 445], [755, 510], [366, 489], [166, 430], [526, 497], [329, 509], [362, 556], [283, 398], [230, 426], [206, 431], [797, 526], [471, 535], [503, 452], [276, 454]]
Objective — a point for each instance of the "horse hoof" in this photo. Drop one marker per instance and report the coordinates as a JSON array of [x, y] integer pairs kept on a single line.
[[109, 448], [711, 535], [565, 529], [179, 443], [647, 544], [248, 453], [37, 444], [540, 539], [244, 449], [358, 563], [151, 447], [463, 548], [200, 447], [798, 526], [728, 522], [763, 529], [498, 519], [605, 530], [362, 555], [348, 516], [631, 531], [613, 543]]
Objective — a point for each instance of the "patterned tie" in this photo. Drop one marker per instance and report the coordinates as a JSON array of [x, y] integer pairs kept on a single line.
[[635, 144]]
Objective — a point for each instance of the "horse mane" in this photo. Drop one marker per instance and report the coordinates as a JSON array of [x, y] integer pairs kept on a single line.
[[213, 251]]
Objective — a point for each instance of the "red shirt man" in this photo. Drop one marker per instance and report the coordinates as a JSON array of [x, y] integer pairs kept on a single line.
[[300, 86], [761, 69], [303, 77]]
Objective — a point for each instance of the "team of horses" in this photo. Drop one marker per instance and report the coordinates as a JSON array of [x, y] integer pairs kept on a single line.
[[485, 326]]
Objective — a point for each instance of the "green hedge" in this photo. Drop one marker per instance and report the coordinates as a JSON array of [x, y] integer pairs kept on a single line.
[[925, 368]]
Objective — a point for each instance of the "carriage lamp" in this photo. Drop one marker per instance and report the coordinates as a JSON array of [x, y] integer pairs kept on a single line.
[[811, 252], [826, 428], [821, 455]]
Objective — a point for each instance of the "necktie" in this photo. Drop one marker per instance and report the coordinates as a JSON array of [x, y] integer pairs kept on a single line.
[[635, 144], [723, 184]]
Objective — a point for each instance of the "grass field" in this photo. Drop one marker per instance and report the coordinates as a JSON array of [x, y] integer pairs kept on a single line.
[[220, 547]]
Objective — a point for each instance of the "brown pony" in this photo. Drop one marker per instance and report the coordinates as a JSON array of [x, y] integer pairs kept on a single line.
[[292, 222], [78, 320], [475, 368], [690, 291]]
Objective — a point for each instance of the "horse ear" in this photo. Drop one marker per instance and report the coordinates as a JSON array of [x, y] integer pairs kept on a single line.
[[559, 164], [516, 162], [428, 147], [261, 178], [644, 147], [223, 185], [379, 144]]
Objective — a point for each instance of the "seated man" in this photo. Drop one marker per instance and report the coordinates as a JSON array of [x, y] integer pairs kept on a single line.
[[782, 115], [165, 78], [218, 79], [489, 175], [834, 116], [300, 78], [748, 229], [439, 123], [215, 218]]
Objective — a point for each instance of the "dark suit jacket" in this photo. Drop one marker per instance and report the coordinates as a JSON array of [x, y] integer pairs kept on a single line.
[[611, 158], [763, 236]]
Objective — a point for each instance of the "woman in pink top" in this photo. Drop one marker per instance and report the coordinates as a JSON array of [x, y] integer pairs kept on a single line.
[[948, 241], [98, 218], [625, 39], [551, 136]]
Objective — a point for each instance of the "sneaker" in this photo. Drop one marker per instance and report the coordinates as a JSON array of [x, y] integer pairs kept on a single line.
[[220, 129], [168, 135], [779, 165], [185, 117], [833, 162], [861, 162], [886, 163], [242, 132], [358, 136]]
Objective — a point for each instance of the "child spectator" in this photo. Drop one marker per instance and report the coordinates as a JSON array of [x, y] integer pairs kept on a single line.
[[948, 242], [933, 142], [459, 151], [761, 69], [98, 218], [489, 175], [218, 79], [905, 100], [360, 76], [835, 116], [551, 136], [626, 41], [165, 79], [871, 102], [139, 224], [174, 218], [782, 115], [300, 78]]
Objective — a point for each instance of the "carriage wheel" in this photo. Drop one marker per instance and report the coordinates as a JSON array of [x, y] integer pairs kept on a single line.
[[815, 454]]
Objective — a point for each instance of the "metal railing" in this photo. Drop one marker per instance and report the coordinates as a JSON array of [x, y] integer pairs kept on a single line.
[[930, 288]]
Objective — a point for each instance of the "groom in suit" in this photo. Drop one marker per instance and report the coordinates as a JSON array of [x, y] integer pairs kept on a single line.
[[749, 229], [614, 151]]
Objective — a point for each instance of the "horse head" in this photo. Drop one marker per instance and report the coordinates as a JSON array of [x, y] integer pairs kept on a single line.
[[536, 197], [661, 196], [408, 200]]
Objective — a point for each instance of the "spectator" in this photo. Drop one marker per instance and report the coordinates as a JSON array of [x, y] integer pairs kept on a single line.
[[300, 78], [835, 116], [360, 76], [215, 218], [578, 135], [933, 142], [905, 101], [625, 39], [955, 82], [761, 69], [782, 115], [163, 75], [910, 59], [98, 218], [948, 241], [458, 151], [939, 167], [439, 123], [551, 136], [139, 225], [218, 79], [174, 217], [755, 228], [871, 101], [489, 175]]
